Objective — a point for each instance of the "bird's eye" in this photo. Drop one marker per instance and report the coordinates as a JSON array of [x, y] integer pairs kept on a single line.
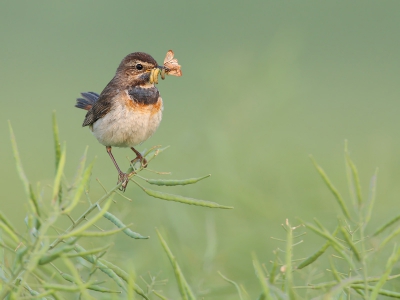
[[139, 67]]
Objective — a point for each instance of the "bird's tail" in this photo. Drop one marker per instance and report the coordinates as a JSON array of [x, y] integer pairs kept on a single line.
[[88, 100]]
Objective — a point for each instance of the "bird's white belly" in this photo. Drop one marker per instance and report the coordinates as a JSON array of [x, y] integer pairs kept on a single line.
[[127, 127]]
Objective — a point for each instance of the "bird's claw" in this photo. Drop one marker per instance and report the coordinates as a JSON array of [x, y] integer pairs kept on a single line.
[[142, 160], [124, 178]]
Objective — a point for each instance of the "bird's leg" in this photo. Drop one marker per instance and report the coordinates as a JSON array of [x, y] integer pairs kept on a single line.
[[140, 157], [122, 177]]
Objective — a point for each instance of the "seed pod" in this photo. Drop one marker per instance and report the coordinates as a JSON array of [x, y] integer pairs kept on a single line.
[[186, 200], [119, 224], [314, 256], [169, 182], [45, 259]]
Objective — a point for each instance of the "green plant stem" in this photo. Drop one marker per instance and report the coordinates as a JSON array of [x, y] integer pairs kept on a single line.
[[34, 259], [356, 280], [233, 283], [288, 262], [88, 211], [363, 263]]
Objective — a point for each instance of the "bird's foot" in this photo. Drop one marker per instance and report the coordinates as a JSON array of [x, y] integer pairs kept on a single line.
[[124, 178], [142, 160]]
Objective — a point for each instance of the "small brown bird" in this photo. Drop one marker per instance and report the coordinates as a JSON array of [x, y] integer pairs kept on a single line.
[[129, 109]]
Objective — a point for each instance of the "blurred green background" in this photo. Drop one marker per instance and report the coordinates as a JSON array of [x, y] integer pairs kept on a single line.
[[265, 84]]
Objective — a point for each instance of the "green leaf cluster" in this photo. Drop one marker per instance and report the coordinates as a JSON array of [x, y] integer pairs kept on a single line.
[[49, 261]]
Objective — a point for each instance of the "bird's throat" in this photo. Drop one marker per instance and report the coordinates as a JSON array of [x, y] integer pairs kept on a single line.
[[146, 95]]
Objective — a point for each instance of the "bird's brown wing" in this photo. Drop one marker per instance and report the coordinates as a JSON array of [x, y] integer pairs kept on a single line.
[[102, 106]]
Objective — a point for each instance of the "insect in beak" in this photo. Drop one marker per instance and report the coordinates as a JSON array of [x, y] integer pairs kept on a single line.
[[154, 74], [162, 68]]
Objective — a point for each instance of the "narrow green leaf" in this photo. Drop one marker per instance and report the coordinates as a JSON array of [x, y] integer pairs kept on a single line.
[[313, 257], [20, 169], [34, 293], [56, 136], [131, 283], [349, 175], [332, 188], [334, 271], [80, 189], [49, 257], [80, 169], [2, 259], [325, 235], [380, 292], [109, 216], [49, 292], [9, 232], [7, 223], [261, 277], [159, 295], [93, 287], [339, 280], [33, 203], [392, 235], [319, 224], [170, 182], [349, 241], [118, 271], [181, 199], [88, 252], [64, 288], [122, 274], [90, 222], [355, 280], [19, 257], [83, 287], [372, 195], [356, 178], [337, 289], [111, 270], [105, 269], [288, 261], [389, 266], [376, 279], [101, 233], [184, 288], [57, 150], [386, 225], [274, 268], [335, 244], [59, 173], [233, 283], [102, 289]]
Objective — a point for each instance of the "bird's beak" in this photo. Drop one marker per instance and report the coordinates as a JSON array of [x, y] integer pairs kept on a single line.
[[154, 74]]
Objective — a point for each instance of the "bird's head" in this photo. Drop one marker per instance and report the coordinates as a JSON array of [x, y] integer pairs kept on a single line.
[[139, 68]]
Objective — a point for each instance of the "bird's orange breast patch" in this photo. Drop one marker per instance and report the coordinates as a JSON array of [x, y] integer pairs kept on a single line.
[[150, 109]]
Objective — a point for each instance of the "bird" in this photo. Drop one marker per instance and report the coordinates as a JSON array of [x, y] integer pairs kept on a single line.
[[129, 109]]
